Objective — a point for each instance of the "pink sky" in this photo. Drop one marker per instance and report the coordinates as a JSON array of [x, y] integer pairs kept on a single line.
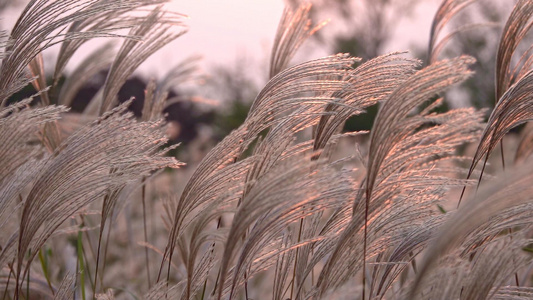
[[223, 31]]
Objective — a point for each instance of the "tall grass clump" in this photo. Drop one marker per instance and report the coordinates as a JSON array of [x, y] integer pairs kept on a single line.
[[285, 206]]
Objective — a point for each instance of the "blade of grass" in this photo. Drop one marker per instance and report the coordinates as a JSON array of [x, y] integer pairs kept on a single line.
[[44, 265]]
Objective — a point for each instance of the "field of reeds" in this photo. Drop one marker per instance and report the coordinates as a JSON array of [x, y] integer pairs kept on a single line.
[[286, 206]]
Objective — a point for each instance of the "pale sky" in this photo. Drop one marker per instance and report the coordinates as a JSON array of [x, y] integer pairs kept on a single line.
[[224, 31]]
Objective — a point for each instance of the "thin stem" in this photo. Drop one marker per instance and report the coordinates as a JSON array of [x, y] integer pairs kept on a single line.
[[89, 277], [296, 258], [28, 279], [11, 271], [502, 154], [367, 201], [219, 223], [100, 234], [97, 260], [106, 246], [81, 264], [246, 286], [143, 196]]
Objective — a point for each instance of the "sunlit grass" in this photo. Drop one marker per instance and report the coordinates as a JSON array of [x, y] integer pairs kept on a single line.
[[285, 206]]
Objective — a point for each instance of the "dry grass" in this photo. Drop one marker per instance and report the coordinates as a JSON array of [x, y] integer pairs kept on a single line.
[[278, 209]]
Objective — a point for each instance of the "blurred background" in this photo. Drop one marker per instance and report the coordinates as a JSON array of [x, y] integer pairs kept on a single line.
[[224, 55]]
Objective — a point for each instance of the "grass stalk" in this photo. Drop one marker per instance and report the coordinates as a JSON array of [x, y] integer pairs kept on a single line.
[[81, 263], [143, 198]]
